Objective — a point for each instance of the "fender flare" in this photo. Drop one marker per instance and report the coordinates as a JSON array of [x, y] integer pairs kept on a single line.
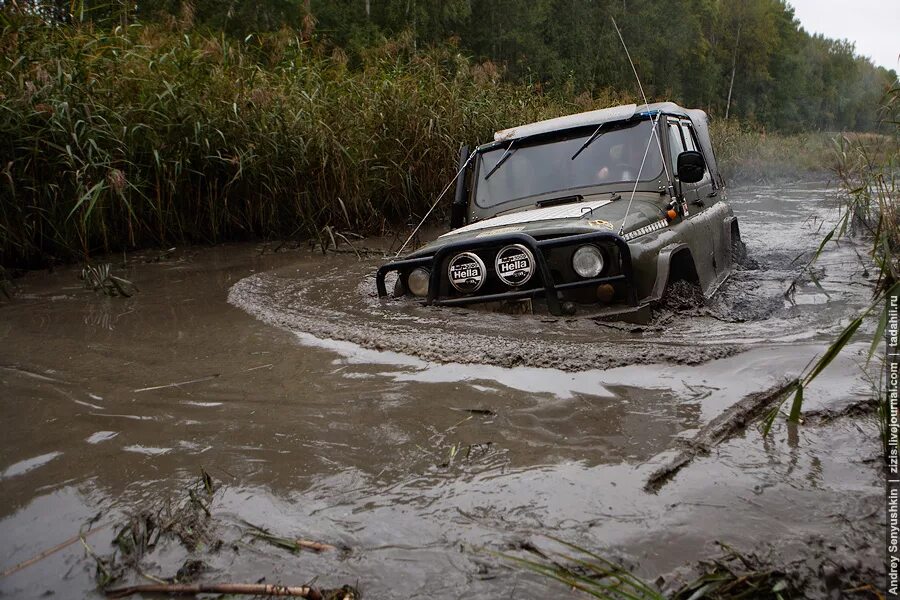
[[664, 263]]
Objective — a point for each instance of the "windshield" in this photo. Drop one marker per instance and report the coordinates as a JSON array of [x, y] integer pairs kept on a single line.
[[615, 156]]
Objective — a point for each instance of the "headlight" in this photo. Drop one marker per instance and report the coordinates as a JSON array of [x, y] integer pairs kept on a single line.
[[588, 261], [417, 282]]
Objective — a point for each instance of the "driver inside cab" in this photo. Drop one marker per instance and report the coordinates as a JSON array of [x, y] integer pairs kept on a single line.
[[623, 163]]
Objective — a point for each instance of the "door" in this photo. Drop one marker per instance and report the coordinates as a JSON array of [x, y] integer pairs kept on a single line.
[[703, 191]]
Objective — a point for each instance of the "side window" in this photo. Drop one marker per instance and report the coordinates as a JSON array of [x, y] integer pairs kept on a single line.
[[692, 143], [688, 136], [676, 143]]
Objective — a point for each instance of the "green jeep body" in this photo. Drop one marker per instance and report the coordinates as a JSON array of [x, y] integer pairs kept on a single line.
[[639, 185]]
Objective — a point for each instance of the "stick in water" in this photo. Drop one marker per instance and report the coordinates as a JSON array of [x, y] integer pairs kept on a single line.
[[315, 546], [249, 589], [49, 551], [176, 384]]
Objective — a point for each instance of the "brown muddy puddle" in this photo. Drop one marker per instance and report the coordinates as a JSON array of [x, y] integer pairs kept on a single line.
[[422, 438]]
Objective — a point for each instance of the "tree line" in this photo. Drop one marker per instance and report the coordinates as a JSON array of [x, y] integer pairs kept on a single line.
[[749, 59]]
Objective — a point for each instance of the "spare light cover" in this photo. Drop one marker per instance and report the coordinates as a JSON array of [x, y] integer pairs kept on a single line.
[[514, 265], [466, 272]]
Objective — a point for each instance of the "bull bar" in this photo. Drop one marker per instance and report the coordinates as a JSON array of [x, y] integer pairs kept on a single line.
[[548, 290]]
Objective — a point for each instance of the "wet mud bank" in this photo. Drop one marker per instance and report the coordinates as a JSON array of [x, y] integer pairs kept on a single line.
[[417, 440]]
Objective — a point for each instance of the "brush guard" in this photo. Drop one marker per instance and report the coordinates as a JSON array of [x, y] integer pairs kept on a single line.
[[549, 288]]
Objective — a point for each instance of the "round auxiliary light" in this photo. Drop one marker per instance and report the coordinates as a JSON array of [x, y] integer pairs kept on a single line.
[[466, 272], [588, 261], [514, 265], [418, 281]]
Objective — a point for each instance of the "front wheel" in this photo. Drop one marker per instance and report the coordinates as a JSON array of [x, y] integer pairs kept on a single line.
[[681, 295]]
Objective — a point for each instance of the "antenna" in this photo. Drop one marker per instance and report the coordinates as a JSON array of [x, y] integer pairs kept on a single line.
[[653, 133], [637, 179], [433, 206], [628, 54]]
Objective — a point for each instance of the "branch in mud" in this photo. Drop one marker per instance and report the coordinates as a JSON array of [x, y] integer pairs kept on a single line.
[[717, 431], [249, 589], [331, 244], [292, 544]]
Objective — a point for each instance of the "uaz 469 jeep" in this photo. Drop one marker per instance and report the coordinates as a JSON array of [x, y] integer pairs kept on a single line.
[[600, 210]]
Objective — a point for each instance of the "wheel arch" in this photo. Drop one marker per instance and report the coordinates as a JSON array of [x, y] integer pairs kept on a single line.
[[674, 262]]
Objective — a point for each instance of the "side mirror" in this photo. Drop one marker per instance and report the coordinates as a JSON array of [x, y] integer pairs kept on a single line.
[[458, 208], [691, 166]]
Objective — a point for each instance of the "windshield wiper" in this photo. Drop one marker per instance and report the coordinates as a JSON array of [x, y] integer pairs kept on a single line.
[[503, 157], [589, 141]]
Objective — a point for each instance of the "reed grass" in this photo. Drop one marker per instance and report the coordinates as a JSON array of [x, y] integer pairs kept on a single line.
[[581, 569], [751, 154], [158, 134], [99, 278], [728, 577]]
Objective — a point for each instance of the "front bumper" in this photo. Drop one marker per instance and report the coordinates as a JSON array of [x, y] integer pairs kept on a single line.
[[547, 288]]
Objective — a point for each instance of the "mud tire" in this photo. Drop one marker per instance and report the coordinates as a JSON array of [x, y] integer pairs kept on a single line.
[[682, 295]]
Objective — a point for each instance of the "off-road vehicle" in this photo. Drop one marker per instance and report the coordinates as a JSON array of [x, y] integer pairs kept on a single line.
[[598, 211]]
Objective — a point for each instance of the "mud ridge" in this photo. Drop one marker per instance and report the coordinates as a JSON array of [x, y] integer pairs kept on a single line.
[[723, 427], [286, 304], [862, 408]]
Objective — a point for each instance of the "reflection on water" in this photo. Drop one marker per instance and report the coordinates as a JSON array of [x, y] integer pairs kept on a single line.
[[23, 466]]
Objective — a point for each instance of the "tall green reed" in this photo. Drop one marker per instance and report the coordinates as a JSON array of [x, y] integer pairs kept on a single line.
[[145, 135]]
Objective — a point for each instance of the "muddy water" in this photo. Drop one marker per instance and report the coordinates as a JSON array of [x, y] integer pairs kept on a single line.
[[418, 438]]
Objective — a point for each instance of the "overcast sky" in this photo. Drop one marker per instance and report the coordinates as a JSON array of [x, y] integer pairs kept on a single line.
[[873, 25]]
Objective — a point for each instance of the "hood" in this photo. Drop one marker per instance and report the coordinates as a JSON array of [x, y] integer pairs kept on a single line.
[[602, 212]]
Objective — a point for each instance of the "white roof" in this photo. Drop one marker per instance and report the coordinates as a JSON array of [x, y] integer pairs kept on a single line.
[[593, 117]]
